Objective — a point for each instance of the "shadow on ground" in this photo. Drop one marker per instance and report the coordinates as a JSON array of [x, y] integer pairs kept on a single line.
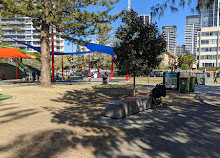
[[12, 113], [193, 132]]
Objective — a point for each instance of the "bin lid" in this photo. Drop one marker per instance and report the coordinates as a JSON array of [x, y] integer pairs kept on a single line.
[[184, 77]]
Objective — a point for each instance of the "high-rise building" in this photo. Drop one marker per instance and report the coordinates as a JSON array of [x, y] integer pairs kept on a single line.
[[211, 15], [27, 33], [180, 49], [170, 35], [208, 45], [146, 19], [192, 26]]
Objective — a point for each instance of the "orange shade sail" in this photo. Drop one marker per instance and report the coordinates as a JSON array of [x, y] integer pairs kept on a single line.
[[12, 53]]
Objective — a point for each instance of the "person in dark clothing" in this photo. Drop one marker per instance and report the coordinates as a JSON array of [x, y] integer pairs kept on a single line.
[[34, 75], [215, 75], [105, 78]]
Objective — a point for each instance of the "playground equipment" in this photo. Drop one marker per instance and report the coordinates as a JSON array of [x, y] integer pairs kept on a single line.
[[14, 53], [91, 46]]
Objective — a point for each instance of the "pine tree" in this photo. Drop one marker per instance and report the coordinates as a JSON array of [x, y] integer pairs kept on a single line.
[[104, 38], [69, 17]]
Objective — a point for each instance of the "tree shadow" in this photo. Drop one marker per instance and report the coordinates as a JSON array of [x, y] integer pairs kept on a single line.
[[15, 115], [193, 132]]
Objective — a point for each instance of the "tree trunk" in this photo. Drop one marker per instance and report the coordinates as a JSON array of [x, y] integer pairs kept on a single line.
[[45, 47], [134, 85], [45, 55]]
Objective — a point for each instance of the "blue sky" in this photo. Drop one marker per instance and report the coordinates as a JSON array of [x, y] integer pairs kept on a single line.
[[144, 7]]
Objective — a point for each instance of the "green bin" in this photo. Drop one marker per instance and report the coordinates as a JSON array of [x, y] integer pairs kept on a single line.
[[184, 84], [192, 83]]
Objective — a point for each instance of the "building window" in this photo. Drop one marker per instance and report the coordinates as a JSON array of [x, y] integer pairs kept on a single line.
[[212, 33], [211, 41], [36, 37], [21, 32], [28, 37], [202, 57], [209, 49], [36, 43], [36, 32], [21, 37], [214, 56], [28, 26], [20, 20], [209, 64], [28, 32]]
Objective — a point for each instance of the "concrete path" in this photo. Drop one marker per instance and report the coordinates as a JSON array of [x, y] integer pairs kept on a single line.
[[193, 132]]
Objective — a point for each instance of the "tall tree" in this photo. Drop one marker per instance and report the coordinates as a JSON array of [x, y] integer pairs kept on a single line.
[[138, 45], [70, 17], [104, 37]]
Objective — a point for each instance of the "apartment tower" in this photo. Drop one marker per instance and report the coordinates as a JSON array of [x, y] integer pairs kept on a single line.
[[28, 33], [192, 26], [208, 37], [170, 35]]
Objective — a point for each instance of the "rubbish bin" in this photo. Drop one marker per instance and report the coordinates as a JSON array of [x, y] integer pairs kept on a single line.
[[192, 83], [184, 84]]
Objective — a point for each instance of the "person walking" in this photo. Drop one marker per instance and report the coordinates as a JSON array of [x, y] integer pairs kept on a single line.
[[215, 75]]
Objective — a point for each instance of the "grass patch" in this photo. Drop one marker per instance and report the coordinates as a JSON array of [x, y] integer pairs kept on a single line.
[[4, 97]]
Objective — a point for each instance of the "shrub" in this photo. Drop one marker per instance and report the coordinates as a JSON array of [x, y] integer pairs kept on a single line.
[[185, 67], [209, 68]]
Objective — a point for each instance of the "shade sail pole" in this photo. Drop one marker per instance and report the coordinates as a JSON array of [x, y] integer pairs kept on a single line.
[[53, 79], [16, 68], [62, 65], [89, 64], [112, 69]]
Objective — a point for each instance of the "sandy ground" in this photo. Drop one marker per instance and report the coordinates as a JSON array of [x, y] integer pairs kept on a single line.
[[59, 121]]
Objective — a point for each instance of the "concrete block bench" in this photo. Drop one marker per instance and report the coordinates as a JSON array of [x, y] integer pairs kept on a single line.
[[128, 106]]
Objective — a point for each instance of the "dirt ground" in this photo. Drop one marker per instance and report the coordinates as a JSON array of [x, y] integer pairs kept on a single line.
[[59, 121]]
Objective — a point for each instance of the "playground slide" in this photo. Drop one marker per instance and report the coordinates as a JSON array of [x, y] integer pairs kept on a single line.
[[27, 68], [22, 66]]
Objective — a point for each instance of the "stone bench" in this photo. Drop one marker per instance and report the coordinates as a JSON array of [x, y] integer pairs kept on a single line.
[[122, 108]]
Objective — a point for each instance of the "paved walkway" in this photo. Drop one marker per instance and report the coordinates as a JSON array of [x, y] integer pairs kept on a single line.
[[193, 132]]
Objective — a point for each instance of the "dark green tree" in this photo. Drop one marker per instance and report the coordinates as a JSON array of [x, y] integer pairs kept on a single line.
[[69, 17], [138, 46]]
